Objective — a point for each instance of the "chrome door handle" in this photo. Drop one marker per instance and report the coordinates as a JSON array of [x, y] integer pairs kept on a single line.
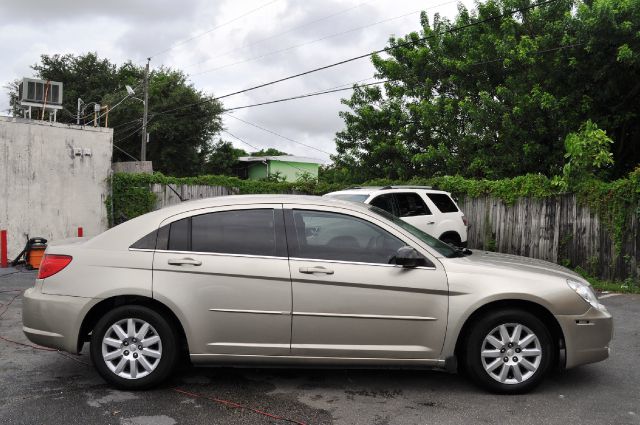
[[184, 261], [430, 222], [312, 270]]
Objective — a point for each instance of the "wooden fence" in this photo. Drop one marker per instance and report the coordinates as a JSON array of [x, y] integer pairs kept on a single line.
[[167, 194], [556, 229]]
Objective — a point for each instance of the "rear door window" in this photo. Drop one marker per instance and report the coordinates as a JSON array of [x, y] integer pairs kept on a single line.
[[410, 204], [180, 235], [443, 202], [246, 232], [250, 232]]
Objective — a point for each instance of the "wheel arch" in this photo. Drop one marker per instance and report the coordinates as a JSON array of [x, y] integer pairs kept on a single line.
[[451, 233], [98, 310], [534, 308]]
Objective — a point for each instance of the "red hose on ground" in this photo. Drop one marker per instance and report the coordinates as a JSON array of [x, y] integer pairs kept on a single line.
[[238, 406]]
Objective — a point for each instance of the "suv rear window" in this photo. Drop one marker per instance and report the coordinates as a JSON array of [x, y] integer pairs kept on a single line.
[[443, 202], [410, 204]]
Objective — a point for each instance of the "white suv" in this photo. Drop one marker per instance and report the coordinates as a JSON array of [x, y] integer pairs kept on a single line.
[[432, 211]]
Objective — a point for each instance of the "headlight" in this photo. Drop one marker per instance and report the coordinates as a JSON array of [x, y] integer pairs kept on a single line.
[[586, 292]]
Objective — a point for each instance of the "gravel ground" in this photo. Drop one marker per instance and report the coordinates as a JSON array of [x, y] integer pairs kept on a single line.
[[42, 387]]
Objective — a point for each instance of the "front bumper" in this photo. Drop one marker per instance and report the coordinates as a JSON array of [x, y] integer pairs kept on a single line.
[[587, 336], [53, 320]]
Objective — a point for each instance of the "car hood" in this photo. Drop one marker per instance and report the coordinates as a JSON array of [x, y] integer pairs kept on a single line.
[[493, 262]]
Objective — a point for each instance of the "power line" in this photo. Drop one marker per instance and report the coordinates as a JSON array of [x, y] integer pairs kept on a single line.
[[128, 135], [303, 25], [308, 42], [276, 134], [180, 43], [129, 127], [237, 138], [126, 153], [123, 138], [126, 123], [302, 96], [553, 49], [386, 49]]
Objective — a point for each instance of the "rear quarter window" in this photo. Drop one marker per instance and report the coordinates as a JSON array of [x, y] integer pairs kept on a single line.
[[443, 202]]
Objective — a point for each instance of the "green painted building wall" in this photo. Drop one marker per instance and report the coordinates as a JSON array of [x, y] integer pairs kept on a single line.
[[289, 170]]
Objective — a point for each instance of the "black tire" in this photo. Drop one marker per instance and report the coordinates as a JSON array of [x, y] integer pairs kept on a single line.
[[474, 364], [451, 239], [163, 329]]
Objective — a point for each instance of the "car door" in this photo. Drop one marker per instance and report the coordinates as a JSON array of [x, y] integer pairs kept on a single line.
[[226, 272], [349, 301]]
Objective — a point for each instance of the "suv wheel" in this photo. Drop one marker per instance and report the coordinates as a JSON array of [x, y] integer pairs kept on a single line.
[[133, 347], [508, 351], [451, 239]]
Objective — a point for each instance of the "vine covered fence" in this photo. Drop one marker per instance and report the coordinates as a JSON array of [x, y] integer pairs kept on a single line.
[[558, 229]]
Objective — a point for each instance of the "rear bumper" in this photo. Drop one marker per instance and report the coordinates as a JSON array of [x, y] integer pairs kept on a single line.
[[587, 337], [53, 320]]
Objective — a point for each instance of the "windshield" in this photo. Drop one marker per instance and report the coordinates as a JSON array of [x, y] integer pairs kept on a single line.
[[442, 248], [353, 197]]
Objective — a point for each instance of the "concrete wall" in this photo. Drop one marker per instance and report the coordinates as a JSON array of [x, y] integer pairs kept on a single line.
[[46, 189], [136, 167], [291, 171]]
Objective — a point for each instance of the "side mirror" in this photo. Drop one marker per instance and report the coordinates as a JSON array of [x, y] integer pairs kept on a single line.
[[407, 256]]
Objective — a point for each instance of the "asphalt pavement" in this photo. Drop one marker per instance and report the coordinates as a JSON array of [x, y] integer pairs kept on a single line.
[[46, 387]]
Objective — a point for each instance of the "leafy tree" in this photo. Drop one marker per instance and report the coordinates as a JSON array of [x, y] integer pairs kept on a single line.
[[179, 140], [587, 152], [268, 152], [222, 158], [498, 99]]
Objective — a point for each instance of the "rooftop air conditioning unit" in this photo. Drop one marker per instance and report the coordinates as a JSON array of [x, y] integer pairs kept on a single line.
[[33, 92]]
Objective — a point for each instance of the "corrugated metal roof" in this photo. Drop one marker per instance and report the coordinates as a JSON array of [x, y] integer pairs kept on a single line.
[[282, 158]]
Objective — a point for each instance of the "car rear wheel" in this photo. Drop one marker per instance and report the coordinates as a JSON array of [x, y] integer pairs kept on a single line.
[[508, 351], [133, 347]]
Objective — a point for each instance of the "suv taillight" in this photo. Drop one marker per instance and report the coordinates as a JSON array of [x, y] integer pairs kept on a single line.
[[465, 221], [52, 264]]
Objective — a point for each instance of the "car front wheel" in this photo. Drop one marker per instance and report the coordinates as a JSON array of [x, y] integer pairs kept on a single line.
[[133, 347], [508, 351]]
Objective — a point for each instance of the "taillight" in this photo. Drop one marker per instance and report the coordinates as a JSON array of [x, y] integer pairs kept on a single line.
[[465, 221], [52, 264]]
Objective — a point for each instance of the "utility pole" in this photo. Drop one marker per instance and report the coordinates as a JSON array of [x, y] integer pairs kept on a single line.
[[145, 136]]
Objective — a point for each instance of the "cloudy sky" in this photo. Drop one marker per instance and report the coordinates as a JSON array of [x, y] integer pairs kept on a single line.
[[224, 46]]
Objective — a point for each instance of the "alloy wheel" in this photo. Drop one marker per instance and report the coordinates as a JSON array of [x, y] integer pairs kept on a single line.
[[131, 348], [511, 353]]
